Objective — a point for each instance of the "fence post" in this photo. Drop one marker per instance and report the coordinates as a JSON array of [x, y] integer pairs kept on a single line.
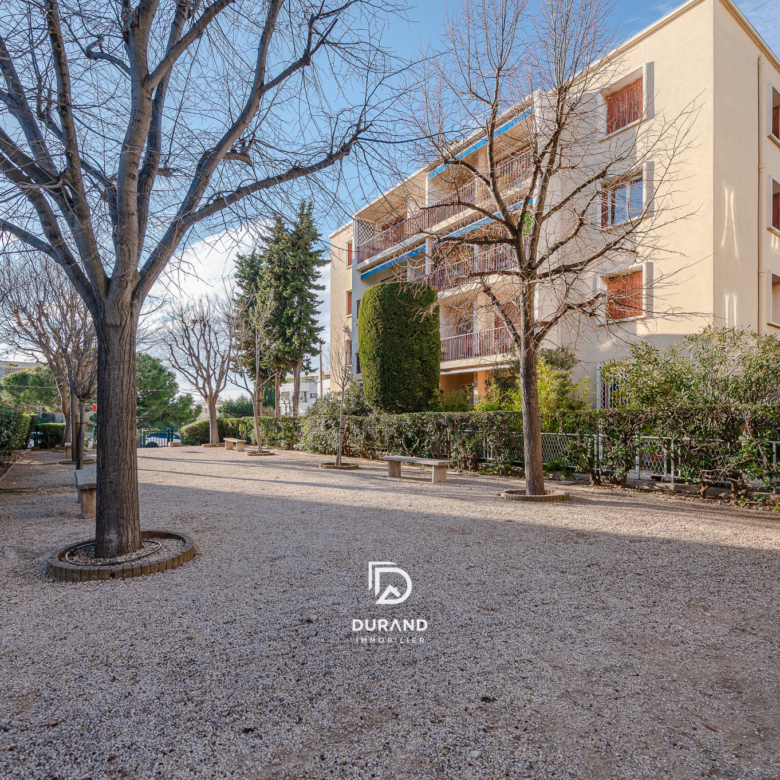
[[638, 453]]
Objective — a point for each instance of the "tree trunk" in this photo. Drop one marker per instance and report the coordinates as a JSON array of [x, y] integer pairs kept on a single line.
[[341, 429], [65, 408], [117, 521], [74, 407], [257, 409], [277, 397], [296, 385], [211, 402], [529, 390], [78, 441]]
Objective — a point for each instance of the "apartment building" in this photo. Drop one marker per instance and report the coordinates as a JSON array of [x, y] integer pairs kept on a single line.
[[725, 264]]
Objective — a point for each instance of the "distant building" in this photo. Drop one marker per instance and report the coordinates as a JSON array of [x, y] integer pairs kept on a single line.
[[310, 392], [12, 366]]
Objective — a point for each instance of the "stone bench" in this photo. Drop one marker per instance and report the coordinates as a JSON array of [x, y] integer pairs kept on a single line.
[[439, 466], [238, 442], [86, 482], [68, 450]]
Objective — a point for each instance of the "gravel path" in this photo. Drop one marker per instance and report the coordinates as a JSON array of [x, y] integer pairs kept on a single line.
[[613, 637]]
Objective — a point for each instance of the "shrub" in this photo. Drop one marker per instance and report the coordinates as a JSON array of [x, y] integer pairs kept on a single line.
[[400, 346], [283, 432], [15, 430], [50, 434]]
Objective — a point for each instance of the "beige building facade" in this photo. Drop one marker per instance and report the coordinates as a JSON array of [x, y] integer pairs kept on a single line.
[[718, 264]]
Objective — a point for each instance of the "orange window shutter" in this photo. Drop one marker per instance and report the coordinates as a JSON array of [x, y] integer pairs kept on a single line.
[[625, 296], [349, 302], [624, 106], [349, 254]]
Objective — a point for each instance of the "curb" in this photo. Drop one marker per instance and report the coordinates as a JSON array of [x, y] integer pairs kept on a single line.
[[57, 568]]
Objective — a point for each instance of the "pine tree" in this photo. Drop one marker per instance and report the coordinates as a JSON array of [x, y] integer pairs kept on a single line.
[[293, 271]]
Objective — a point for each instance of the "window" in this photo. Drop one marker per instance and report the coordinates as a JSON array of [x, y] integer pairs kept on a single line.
[[349, 254], [624, 106], [357, 311], [349, 303], [313, 396], [775, 205], [621, 203], [774, 115], [776, 299], [304, 396], [624, 296]]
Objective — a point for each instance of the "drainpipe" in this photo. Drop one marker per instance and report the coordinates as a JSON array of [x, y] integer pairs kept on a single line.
[[762, 206]]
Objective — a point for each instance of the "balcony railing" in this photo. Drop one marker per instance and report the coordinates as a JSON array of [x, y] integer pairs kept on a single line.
[[498, 258], [471, 345], [474, 191]]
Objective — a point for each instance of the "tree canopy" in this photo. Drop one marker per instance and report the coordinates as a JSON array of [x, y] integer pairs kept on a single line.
[[28, 390], [159, 401]]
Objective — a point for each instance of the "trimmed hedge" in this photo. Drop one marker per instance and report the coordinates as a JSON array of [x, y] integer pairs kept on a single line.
[[400, 346], [281, 432], [51, 435], [15, 430], [709, 444]]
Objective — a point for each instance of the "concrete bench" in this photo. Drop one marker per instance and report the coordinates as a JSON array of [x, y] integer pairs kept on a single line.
[[68, 450], [439, 466], [238, 442], [86, 482]]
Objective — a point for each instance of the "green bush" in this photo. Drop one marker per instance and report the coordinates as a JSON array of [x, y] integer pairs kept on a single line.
[[51, 434], [15, 430], [400, 346], [283, 432]]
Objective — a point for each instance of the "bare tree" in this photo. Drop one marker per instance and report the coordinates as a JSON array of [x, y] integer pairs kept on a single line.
[[42, 315], [199, 337], [248, 369], [341, 373], [128, 126], [548, 198]]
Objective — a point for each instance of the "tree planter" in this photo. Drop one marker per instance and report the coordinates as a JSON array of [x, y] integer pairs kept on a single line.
[[255, 453], [210, 445], [342, 467], [58, 568], [549, 496]]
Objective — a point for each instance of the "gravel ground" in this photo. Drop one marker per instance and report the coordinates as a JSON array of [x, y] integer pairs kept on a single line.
[[613, 637]]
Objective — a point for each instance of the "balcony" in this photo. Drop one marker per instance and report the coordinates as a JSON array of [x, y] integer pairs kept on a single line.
[[472, 345], [508, 174], [498, 258]]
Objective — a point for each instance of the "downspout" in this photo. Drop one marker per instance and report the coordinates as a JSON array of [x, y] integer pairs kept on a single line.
[[762, 206]]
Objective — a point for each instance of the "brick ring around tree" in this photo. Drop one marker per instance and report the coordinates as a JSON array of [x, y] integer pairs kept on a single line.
[[58, 568]]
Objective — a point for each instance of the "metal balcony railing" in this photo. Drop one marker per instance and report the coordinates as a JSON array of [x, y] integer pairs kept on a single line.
[[481, 344], [498, 258], [474, 191]]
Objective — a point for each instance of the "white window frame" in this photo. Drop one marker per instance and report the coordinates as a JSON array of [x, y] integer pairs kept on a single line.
[[774, 317], [772, 183], [645, 72], [772, 90], [646, 177], [646, 297]]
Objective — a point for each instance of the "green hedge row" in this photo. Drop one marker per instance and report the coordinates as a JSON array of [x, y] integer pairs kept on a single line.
[[281, 432], [15, 430], [51, 435], [705, 445]]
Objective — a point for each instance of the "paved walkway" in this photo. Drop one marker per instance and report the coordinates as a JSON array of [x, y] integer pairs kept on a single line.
[[613, 637]]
